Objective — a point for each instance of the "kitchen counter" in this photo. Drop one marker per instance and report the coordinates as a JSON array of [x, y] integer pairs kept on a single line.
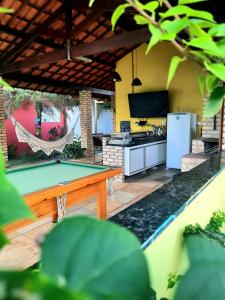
[[146, 216], [143, 141]]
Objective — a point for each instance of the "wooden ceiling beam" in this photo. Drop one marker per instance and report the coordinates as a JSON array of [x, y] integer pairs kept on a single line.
[[48, 43], [81, 27], [125, 39], [23, 35], [56, 83], [67, 4]]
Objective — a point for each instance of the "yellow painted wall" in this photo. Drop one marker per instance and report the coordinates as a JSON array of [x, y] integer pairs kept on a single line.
[[153, 70], [167, 253]]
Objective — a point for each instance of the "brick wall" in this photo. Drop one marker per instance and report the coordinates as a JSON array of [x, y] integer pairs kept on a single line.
[[197, 146], [3, 139], [113, 156], [113, 103], [207, 127], [86, 122], [208, 124]]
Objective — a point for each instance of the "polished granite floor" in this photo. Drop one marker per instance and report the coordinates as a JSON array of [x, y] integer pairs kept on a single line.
[[23, 251]]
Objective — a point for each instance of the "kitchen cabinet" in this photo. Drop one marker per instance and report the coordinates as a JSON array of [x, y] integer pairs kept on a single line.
[[134, 160], [143, 157], [151, 156], [155, 154]]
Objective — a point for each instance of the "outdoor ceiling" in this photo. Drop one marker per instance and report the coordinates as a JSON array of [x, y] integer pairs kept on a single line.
[[41, 27]]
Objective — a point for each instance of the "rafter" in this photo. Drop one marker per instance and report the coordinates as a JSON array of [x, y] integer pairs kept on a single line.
[[126, 39], [23, 35], [48, 43], [81, 27], [55, 83]]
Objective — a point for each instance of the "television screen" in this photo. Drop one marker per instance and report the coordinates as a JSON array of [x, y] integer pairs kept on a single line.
[[149, 105]]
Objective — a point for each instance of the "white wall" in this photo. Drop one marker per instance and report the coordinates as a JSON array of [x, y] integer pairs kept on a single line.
[[74, 120], [104, 121]]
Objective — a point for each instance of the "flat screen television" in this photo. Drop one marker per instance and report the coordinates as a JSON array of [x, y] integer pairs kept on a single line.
[[149, 105]]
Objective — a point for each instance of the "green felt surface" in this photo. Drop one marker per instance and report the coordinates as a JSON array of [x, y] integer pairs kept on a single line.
[[35, 178]]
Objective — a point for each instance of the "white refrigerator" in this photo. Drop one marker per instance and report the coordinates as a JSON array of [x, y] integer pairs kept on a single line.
[[181, 128]]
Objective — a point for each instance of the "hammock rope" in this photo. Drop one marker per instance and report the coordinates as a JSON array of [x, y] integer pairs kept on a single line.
[[36, 144]]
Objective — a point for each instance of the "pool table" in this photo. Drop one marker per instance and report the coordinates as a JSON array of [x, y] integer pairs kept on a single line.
[[49, 188]]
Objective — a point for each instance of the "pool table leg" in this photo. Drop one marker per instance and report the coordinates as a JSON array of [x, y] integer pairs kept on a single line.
[[101, 201]]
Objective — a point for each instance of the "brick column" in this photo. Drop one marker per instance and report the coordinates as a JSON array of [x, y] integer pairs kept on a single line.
[[86, 122], [113, 104], [113, 156], [3, 139]]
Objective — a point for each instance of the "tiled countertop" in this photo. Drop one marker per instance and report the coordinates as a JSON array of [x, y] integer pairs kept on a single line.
[[146, 216]]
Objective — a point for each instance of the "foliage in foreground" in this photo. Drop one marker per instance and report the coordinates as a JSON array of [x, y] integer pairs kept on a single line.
[[194, 34], [212, 230], [86, 259]]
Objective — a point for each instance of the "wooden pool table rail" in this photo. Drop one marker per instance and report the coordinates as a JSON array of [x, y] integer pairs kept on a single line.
[[43, 203]]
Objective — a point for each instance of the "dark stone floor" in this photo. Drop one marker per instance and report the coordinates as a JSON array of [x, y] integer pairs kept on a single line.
[[146, 216]]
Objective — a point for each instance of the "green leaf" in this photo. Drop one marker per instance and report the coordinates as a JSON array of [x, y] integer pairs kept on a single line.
[[3, 239], [221, 46], [155, 37], [140, 20], [196, 30], [202, 80], [176, 60], [151, 6], [216, 69], [118, 13], [91, 2], [99, 258], [202, 23], [206, 276], [217, 30], [174, 26], [189, 12], [167, 36], [189, 1], [208, 45], [4, 10], [5, 84], [12, 204], [215, 102], [204, 43], [34, 285], [211, 82]]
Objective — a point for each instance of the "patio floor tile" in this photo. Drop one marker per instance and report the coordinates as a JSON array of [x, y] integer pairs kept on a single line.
[[24, 250]]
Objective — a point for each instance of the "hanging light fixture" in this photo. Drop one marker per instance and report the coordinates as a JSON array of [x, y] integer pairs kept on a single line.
[[136, 81], [116, 77]]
